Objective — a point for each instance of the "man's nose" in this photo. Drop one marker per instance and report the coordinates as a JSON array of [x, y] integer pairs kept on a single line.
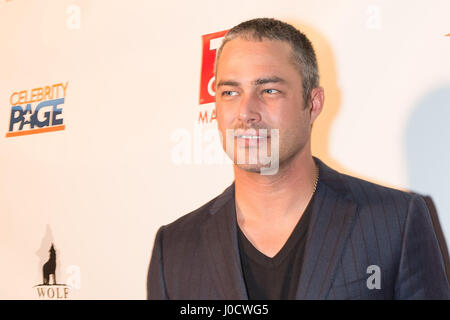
[[248, 111]]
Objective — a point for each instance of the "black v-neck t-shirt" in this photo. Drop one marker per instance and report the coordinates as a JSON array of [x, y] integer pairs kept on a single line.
[[275, 278]]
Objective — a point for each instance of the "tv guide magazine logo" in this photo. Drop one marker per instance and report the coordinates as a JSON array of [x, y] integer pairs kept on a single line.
[[210, 43]]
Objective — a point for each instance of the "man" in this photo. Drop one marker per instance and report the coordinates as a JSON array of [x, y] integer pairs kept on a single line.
[[291, 227]]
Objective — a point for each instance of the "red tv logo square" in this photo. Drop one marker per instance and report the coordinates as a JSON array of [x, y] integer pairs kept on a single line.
[[211, 43]]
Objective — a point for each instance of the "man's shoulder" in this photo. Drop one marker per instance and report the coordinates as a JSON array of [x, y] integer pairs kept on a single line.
[[193, 220], [367, 193], [382, 206], [368, 187], [357, 188]]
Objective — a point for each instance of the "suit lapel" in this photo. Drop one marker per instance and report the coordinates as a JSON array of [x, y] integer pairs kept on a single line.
[[331, 222], [332, 219], [220, 234]]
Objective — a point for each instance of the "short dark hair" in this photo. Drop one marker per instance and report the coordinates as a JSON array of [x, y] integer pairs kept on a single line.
[[272, 29]]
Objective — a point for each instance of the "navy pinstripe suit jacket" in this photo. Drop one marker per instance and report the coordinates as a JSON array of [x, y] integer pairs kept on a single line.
[[354, 224]]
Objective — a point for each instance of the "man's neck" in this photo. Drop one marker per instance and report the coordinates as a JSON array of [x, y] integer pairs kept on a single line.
[[274, 197]]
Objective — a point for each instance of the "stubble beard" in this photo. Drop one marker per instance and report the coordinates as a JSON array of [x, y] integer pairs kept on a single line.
[[285, 153]]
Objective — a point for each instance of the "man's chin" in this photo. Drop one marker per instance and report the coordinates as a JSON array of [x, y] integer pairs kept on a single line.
[[255, 168]]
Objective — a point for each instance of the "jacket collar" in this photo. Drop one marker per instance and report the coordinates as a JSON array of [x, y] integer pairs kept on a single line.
[[332, 219]]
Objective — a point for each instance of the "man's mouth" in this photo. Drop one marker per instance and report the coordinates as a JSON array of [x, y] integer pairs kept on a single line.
[[248, 140], [251, 133], [250, 137]]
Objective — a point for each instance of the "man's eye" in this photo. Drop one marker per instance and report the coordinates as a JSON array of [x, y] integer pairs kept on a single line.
[[229, 93], [271, 91]]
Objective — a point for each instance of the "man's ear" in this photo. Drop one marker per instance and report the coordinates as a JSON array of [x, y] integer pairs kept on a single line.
[[316, 103]]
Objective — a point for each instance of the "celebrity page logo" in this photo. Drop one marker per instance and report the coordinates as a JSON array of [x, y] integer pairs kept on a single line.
[[37, 110]]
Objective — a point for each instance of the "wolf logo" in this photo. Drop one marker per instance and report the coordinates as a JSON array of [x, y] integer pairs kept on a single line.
[[49, 267]]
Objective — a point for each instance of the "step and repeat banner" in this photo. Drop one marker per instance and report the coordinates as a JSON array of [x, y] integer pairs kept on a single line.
[[108, 129]]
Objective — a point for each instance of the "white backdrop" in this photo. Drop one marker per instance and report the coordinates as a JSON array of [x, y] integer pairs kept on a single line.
[[99, 189]]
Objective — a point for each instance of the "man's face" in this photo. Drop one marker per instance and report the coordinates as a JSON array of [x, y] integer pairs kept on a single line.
[[259, 87]]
